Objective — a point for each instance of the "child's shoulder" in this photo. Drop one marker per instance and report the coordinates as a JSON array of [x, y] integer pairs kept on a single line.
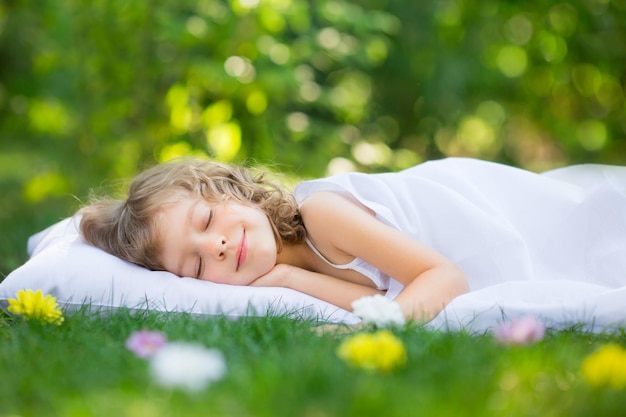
[[322, 202], [325, 206]]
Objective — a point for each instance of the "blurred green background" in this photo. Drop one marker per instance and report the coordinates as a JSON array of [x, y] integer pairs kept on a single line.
[[91, 91]]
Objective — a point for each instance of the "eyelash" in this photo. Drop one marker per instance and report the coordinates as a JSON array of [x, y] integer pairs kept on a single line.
[[208, 223]]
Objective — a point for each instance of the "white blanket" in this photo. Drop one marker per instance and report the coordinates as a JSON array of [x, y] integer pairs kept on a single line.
[[552, 244]]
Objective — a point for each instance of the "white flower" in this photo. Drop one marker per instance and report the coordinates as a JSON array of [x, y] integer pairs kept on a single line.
[[188, 366], [379, 311]]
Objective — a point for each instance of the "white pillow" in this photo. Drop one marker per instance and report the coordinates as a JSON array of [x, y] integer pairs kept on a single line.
[[78, 275]]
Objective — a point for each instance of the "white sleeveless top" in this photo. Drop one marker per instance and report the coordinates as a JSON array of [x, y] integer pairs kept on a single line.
[[359, 265], [499, 223]]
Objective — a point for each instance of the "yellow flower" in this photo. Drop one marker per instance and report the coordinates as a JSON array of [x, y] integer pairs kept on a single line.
[[606, 367], [34, 306], [380, 351]]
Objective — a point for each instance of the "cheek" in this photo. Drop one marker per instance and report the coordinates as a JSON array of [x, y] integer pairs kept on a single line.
[[271, 230], [218, 280]]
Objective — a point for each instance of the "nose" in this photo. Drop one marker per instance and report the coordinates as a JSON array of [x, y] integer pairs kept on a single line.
[[217, 247]]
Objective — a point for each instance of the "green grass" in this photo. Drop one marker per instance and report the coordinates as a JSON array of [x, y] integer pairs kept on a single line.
[[282, 367]]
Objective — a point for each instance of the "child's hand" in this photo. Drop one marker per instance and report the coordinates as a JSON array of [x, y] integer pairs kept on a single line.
[[277, 277]]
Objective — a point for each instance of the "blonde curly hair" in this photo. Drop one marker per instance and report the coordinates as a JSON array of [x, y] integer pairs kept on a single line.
[[128, 228]]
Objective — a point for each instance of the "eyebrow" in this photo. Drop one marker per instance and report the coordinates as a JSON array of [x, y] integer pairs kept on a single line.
[[187, 224]]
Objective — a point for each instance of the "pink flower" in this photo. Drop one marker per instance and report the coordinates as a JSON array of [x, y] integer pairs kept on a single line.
[[520, 331], [145, 343]]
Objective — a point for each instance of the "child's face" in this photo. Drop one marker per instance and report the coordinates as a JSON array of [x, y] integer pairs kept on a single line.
[[228, 243]]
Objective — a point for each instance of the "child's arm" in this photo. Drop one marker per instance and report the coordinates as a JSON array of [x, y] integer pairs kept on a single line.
[[330, 289], [342, 230]]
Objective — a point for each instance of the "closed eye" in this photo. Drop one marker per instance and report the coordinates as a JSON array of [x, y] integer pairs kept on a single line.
[[199, 269], [208, 222], [200, 263]]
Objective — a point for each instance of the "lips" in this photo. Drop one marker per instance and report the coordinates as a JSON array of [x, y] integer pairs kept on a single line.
[[243, 251]]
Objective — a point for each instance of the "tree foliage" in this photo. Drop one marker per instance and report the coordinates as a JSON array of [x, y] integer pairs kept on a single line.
[[95, 90]]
